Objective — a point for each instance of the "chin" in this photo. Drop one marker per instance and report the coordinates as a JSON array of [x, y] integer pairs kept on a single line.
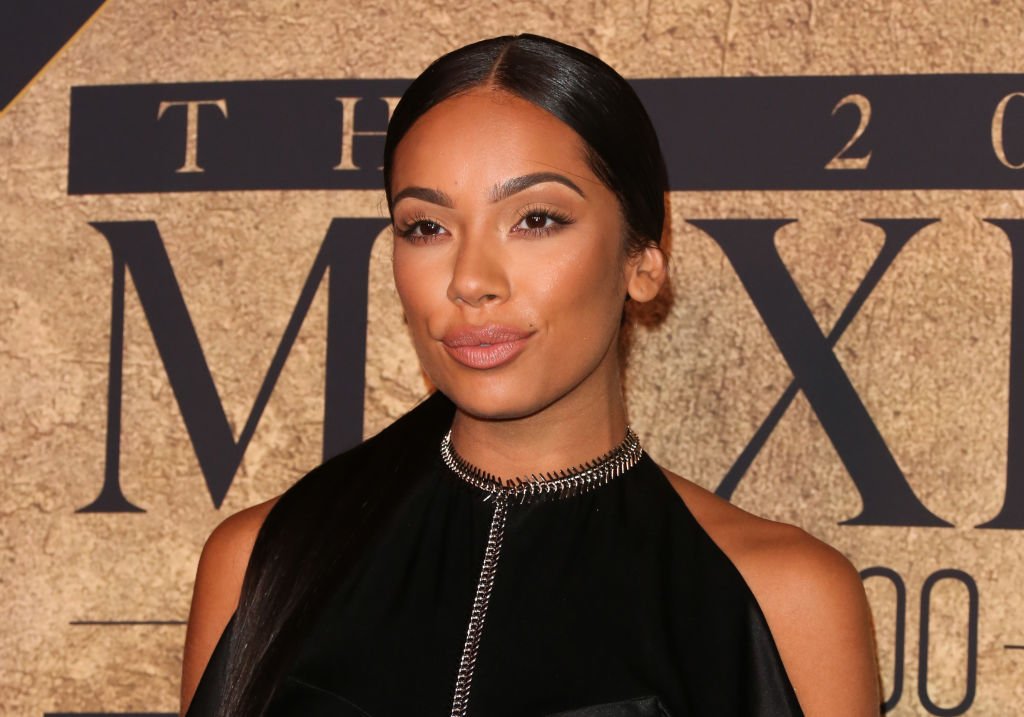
[[504, 404]]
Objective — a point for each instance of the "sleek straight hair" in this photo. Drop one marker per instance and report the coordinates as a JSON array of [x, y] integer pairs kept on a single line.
[[321, 526], [578, 88]]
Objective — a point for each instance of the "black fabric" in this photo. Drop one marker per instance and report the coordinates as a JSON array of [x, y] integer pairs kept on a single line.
[[607, 604], [206, 700], [640, 707]]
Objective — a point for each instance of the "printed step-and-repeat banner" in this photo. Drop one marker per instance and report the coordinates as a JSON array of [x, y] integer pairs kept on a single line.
[[197, 302]]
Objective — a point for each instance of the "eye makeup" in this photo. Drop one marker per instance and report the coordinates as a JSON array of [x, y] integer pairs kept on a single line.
[[557, 219], [419, 228]]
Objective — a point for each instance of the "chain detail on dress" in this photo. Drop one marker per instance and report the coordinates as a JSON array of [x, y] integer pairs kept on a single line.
[[460, 702], [560, 484]]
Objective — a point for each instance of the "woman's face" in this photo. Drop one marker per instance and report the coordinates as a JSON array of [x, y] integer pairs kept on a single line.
[[509, 258]]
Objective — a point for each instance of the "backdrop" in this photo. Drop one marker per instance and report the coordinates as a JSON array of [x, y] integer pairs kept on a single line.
[[197, 303]]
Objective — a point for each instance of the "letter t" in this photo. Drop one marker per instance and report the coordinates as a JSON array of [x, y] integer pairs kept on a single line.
[[191, 163]]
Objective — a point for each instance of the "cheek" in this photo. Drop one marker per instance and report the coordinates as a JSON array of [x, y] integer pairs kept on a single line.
[[415, 283], [417, 292], [403, 286], [585, 286]]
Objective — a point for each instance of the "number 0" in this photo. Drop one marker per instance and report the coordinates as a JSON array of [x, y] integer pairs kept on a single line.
[[900, 630], [998, 117], [972, 643]]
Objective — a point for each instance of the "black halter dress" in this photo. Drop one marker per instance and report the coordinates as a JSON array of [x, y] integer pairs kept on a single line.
[[607, 601]]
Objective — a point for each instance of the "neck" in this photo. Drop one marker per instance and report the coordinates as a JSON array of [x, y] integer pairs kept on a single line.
[[563, 435]]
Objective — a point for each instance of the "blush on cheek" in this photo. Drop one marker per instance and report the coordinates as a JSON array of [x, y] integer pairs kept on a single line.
[[415, 293]]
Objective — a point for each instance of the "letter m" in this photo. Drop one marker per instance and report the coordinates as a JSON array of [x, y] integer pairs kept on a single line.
[[138, 247]]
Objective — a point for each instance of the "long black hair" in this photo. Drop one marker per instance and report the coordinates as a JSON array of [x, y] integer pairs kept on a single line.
[[320, 526]]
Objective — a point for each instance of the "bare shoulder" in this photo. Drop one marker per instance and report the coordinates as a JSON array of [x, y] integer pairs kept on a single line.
[[219, 576], [774, 558], [812, 598], [230, 543]]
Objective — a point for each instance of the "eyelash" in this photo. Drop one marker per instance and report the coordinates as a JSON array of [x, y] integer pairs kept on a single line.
[[560, 219], [406, 230]]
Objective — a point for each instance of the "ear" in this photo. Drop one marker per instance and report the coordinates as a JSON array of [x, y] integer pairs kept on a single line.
[[646, 274]]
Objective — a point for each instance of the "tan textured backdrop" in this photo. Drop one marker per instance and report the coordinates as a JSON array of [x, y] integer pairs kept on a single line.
[[928, 354]]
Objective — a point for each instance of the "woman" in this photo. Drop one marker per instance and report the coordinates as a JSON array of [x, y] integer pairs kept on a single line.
[[453, 563]]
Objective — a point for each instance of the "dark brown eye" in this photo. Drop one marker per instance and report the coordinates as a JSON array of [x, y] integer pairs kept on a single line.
[[421, 231], [535, 223], [541, 222]]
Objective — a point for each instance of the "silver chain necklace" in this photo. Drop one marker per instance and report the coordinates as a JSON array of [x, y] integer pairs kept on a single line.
[[558, 484]]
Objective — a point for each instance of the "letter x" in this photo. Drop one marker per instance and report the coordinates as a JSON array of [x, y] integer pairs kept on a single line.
[[749, 245]]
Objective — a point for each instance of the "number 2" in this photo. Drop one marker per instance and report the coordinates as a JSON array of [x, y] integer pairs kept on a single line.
[[864, 108]]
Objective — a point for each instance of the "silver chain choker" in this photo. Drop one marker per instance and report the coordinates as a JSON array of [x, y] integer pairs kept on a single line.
[[559, 484], [556, 484]]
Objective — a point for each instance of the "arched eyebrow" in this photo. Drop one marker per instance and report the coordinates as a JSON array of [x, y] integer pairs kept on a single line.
[[499, 192], [517, 184], [434, 196]]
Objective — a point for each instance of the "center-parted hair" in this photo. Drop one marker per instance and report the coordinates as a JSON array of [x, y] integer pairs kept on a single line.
[[576, 87], [320, 527]]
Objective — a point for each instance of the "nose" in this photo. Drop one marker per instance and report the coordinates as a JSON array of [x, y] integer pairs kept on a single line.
[[479, 274]]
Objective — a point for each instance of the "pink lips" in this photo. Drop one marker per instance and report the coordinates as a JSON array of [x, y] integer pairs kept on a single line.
[[484, 347]]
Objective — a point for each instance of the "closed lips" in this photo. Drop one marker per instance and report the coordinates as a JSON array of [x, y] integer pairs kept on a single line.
[[485, 347], [483, 336]]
